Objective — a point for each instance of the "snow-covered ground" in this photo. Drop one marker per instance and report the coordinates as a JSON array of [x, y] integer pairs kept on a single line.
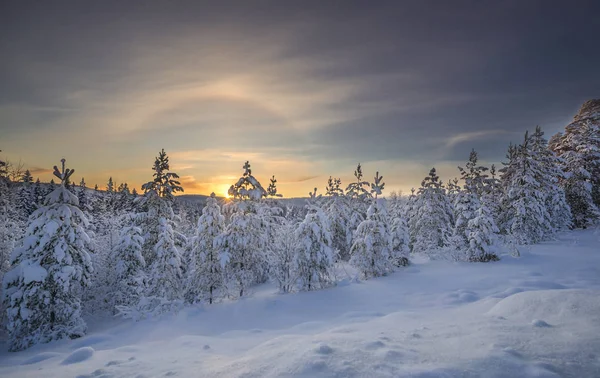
[[536, 316]]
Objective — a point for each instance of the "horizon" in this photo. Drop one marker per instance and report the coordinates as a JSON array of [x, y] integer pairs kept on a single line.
[[303, 91]]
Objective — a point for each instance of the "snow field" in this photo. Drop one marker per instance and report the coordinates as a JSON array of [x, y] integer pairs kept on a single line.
[[537, 316]]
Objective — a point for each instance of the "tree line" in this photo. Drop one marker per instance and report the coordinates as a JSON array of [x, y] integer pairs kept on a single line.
[[68, 250]]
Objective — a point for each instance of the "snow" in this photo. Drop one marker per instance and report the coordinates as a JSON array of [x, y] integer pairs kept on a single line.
[[33, 272], [535, 316]]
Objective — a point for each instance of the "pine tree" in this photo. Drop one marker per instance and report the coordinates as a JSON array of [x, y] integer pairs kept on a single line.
[[247, 187], [40, 291], [272, 189], [206, 273], [551, 174], [243, 244], [481, 231], [129, 265], [431, 226], [372, 248], [492, 194], [339, 212], [525, 211], [313, 262], [358, 190], [281, 257], [25, 196], [467, 201], [164, 288], [579, 149]]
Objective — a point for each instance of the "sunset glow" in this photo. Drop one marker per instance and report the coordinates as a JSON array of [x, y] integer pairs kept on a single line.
[[299, 93]]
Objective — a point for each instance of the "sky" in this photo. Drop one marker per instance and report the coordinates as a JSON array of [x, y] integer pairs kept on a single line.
[[304, 90]]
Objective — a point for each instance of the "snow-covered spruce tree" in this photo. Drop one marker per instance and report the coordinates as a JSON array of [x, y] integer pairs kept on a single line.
[[432, 224], [338, 212], [358, 194], [164, 283], [129, 265], [492, 194], [452, 189], [245, 240], [272, 189], [507, 173], [25, 201], [466, 201], [579, 149], [371, 251], [551, 174], [313, 262], [525, 211], [41, 290], [398, 230], [281, 257], [482, 234], [247, 187], [205, 277]]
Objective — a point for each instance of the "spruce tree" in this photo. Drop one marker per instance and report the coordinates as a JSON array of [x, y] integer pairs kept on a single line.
[[246, 238], [313, 262], [40, 292], [481, 232], [339, 213], [432, 222], [164, 288], [129, 264], [525, 210], [206, 273], [467, 201], [372, 248]]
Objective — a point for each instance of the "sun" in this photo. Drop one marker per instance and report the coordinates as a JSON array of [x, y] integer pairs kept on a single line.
[[225, 190]]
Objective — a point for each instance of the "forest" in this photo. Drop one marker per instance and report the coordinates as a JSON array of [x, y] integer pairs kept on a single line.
[[68, 251]]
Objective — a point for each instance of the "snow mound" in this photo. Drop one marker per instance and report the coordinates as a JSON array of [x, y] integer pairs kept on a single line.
[[555, 306], [79, 355], [540, 324]]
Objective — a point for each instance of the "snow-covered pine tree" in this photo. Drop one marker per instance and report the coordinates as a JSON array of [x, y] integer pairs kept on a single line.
[[360, 189], [525, 211], [164, 288], [481, 232], [129, 264], [247, 187], [492, 194], [579, 149], [371, 252], [507, 173], [452, 189], [338, 212], [551, 174], [272, 189], [25, 201], [246, 238], [400, 241], [432, 223], [313, 262], [41, 290], [467, 202], [244, 243], [281, 257], [205, 278]]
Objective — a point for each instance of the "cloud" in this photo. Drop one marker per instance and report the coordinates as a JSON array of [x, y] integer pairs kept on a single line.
[[39, 171], [473, 135]]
